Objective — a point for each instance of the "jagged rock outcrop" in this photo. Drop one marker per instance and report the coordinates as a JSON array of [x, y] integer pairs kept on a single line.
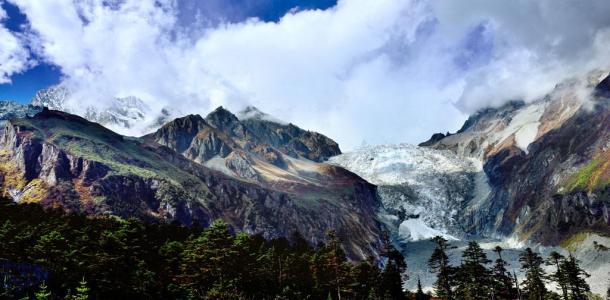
[[560, 187], [254, 148], [545, 163], [64, 161], [434, 139], [288, 138]]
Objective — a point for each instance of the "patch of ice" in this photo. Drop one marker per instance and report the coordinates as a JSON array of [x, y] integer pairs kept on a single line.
[[416, 229], [511, 242], [525, 125], [398, 164]]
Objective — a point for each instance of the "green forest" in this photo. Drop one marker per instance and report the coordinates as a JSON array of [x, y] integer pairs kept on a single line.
[[48, 254]]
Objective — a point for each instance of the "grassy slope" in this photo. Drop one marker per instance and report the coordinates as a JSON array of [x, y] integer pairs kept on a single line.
[[593, 176], [96, 143]]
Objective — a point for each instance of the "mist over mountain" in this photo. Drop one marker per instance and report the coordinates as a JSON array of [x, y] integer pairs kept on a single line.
[[348, 149], [356, 70]]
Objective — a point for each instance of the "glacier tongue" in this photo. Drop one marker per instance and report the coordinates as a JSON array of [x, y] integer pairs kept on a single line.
[[423, 190]]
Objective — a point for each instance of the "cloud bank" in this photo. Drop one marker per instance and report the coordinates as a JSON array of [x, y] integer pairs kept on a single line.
[[383, 71], [14, 58]]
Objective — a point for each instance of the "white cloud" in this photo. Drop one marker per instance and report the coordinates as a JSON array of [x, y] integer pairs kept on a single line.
[[14, 58], [384, 71], [537, 44]]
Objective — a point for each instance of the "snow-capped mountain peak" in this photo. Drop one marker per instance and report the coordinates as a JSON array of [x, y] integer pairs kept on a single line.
[[53, 97], [126, 115]]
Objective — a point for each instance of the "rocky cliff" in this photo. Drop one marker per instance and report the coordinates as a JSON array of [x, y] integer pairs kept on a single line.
[[546, 164], [64, 161]]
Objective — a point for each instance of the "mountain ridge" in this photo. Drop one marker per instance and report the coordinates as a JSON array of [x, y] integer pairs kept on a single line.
[[62, 160]]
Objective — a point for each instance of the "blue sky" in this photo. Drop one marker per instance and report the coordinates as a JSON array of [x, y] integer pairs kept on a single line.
[[382, 71], [25, 85]]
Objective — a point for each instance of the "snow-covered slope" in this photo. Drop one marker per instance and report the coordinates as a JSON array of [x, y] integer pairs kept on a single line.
[[517, 123], [126, 115], [423, 190], [521, 174], [53, 97], [12, 109]]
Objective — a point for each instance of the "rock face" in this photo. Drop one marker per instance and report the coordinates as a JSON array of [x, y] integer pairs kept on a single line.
[[546, 164], [62, 160], [255, 149], [261, 152], [288, 138]]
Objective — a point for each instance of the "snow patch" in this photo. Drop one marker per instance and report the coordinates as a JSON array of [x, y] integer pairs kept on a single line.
[[525, 125], [416, 230], [506, 243]]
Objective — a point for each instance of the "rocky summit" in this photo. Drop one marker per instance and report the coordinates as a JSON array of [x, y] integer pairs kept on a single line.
[[192, 170]]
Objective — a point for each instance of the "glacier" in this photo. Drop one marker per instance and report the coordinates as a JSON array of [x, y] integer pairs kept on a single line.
[[423, 190]]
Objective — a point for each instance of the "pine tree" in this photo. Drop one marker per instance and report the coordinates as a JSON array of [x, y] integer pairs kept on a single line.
[[517, 285], [367, 277], [337, 257], [420, 293], [533, 285], [208, 261], [392, 274], [472, 276], [439, 264], [575, 275], [82, 291], [331, 269], [559, 276], [43, 292], [501, 280]]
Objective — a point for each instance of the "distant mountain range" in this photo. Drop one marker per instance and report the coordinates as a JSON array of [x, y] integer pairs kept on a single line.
[[533, 173]]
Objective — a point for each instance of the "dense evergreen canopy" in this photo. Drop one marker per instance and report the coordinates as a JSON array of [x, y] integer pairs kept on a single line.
[[47, 254], [51, 255]]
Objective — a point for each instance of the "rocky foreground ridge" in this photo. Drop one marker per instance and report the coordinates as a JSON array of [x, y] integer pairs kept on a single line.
[[64, 161]]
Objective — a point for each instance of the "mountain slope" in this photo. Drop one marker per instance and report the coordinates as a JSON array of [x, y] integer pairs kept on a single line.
[[288, 138], [62, 160], [240, 150], [246, 149], [535, 174], [546, 163]]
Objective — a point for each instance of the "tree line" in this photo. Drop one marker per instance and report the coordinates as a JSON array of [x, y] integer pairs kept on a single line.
[[477, 277], [47, 254]]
